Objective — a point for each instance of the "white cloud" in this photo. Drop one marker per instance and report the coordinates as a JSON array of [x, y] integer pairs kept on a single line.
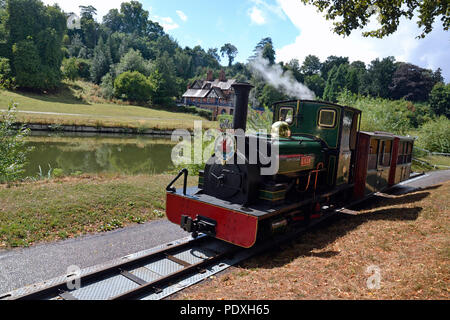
[[182, 15], [256, 15], [316, 37], [273, 9], [166, 22]]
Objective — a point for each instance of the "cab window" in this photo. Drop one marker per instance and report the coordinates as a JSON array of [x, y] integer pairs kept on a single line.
[[287, 115], [327, 118]]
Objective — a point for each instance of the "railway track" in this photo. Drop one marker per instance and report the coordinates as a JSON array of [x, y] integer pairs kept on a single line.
[[154, 275], [160, 272]]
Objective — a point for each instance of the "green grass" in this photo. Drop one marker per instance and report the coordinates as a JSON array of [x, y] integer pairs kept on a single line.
[[69, 207], [76, 98]]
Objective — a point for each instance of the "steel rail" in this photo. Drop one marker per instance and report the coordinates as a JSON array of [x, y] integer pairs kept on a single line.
[[61, 289], [155, 285]]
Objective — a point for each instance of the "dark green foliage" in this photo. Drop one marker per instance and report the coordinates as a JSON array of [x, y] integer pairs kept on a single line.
[[230, 51], [379, 77], [35, 45], [316, 84], [356, 14], [311, 65], [133, 86], [337, 81], [164, 79], [270, 95], [332, 61], [101, 61], [440, 99]]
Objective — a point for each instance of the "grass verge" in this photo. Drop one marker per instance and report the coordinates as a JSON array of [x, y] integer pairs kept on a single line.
[[71, 109], [69, 207], [406, 237]]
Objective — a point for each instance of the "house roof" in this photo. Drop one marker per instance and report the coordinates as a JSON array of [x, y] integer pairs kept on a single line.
[[202, 88]]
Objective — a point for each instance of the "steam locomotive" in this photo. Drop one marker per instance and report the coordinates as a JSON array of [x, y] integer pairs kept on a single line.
[[322, 158]]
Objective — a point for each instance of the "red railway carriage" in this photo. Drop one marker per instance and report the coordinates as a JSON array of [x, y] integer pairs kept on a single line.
[[401, 160], [383, 160]]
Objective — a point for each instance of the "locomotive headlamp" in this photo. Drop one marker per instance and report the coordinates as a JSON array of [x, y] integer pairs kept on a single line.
[[281, 129]]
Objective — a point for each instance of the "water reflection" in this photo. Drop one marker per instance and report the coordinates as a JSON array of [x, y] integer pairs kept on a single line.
[[124, 154]]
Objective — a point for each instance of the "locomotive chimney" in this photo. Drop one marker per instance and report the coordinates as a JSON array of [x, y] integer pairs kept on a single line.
[[241, 91]]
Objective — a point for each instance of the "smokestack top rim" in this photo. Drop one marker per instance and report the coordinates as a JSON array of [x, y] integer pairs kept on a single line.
[[242, 84]]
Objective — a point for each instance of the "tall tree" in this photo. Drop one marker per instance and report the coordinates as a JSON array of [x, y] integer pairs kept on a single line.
[[101, 62], [89, 27], [332, 61], [230, 51], [350, 15], [337, 81], [311, 65], [35, 46], [412, 83], [379, 77]]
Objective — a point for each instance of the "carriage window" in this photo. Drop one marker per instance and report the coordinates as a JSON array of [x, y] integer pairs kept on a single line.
[[387, 154], [327, 118], [373, 154], [287, 115]]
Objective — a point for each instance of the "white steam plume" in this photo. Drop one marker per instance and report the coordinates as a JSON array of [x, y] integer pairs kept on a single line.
[[283, 81]]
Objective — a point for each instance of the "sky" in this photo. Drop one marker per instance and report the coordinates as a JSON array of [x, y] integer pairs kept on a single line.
[[296, 30]]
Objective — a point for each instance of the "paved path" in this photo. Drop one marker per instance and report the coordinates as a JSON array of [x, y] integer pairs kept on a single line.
[[22, 267]]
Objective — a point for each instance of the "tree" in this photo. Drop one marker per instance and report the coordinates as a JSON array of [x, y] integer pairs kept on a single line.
[[411, 82], [35, 46], [101, 61], [270, 95], [316, 83], [379, 77], [332, 61], [133, 86], [164, 79], [134, 17], [214, 52], [230, 51], [336, 83], [265, 49], [133, 61], [311, 65], [440, 99], [350, 15], [89, 27]]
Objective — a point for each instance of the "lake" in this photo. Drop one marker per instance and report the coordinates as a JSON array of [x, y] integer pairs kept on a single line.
[[87, 153]]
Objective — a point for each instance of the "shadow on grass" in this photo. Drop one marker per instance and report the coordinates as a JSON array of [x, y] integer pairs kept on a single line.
[[337, 227], [62, 95]]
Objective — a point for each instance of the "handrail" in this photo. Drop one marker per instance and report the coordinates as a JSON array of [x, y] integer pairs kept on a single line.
[[171, 189]]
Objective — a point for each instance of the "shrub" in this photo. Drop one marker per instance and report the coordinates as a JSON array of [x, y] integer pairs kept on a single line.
[[133, 86], [107, 86], [12, 147], [440, 99], [75, 68], [434, 135], [379, 114], [6, 76]]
